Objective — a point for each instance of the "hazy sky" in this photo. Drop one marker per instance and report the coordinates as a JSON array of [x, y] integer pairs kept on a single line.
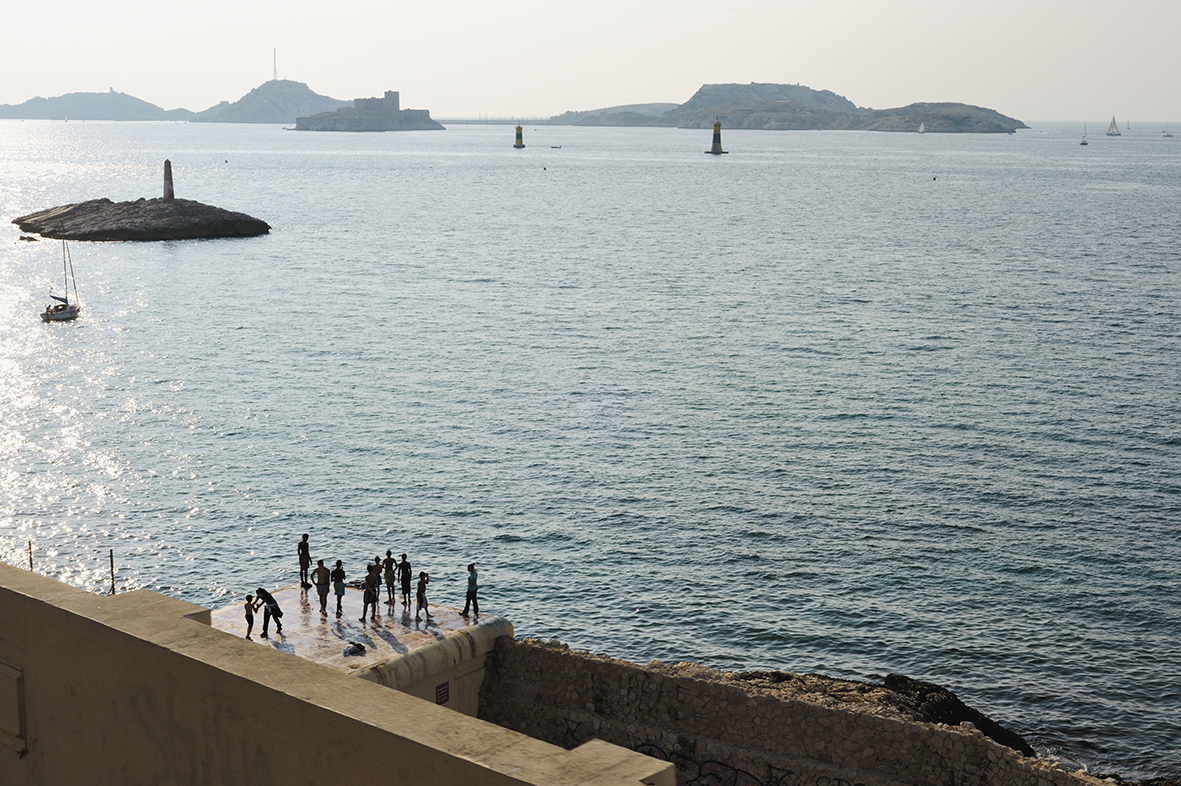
[[1031, 59]]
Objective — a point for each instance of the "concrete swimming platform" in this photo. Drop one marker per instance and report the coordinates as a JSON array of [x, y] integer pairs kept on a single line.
[[441, 661]]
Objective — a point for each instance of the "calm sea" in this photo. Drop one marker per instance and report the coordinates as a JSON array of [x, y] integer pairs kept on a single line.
[[837, 402]]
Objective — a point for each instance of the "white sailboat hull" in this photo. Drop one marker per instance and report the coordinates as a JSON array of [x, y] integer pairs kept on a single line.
[[61, 313]]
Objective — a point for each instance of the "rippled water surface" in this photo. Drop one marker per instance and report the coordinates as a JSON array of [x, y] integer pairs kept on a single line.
[[851, 403]]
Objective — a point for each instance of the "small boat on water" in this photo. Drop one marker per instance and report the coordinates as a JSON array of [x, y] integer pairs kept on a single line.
[[922, 127], [1084, 142], [1113, 129], [1166, 132], [64, 310]]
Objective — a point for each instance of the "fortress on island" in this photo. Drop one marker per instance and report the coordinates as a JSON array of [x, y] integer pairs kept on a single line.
[[371, 114]]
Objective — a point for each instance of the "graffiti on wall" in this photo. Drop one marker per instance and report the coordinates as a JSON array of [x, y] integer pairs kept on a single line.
[[716, 773], [712, 773], [691, 772]]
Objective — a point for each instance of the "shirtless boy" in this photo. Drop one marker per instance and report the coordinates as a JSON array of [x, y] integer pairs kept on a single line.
[[322, 579]]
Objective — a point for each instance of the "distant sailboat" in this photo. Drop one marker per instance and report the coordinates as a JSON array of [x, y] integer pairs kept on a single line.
[[1084, 142], [1113, 129], [64, 310], [1167, 134], [922, 127]]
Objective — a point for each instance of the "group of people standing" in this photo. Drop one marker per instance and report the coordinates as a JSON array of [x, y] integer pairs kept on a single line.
[[395, 573]]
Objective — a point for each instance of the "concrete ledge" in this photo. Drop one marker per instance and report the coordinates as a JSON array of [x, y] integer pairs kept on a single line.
[[456, 647]]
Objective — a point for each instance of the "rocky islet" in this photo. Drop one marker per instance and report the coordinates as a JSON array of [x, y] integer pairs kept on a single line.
[[164, 218]]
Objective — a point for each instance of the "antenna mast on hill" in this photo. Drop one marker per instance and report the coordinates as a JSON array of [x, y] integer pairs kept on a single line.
[[275, 58]]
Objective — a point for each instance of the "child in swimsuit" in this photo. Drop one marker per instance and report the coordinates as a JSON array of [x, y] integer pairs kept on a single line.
[[249, 615]]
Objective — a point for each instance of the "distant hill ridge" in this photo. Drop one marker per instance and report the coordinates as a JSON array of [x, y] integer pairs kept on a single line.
[[796, 107], [90, 106], [276, 101]]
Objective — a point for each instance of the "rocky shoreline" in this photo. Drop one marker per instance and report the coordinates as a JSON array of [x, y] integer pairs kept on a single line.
[[141, 220]]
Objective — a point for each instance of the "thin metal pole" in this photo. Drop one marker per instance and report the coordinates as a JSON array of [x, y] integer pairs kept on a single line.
[[30, 556], [112, 571]]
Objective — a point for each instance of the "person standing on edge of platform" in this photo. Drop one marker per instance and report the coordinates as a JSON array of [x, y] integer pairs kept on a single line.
[[372, 588], [338, 578], [472, 587], [423, 580], [270, 608], [404, 572], [387, 566], [305, 562], [249, 615], [322, 578]]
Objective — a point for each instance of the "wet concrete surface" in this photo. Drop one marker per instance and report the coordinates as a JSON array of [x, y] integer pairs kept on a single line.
[[323, 639]]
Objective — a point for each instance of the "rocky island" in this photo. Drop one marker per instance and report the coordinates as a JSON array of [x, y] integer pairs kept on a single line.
[[371, 114], [165, 218], [274, 101], [777, 107]]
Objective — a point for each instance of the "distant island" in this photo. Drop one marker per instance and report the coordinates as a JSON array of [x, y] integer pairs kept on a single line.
[[371, 114], [90, 106], [276, 101], [754, 106], [794, 108]]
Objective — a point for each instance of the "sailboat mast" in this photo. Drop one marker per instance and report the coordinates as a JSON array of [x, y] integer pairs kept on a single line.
[[65, 273], [72, 276]]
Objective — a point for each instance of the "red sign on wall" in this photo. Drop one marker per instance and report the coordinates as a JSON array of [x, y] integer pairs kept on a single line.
[[443, 693]]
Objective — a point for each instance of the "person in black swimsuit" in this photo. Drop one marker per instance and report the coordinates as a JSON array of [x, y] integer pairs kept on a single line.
[[305, 562], [404, 573], [372, 588], [423, 580]]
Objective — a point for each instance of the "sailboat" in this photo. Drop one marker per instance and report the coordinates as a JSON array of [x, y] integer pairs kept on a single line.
[[1084, 142], [922, 127], [1113, 129], [64, 310], [1167, 134]]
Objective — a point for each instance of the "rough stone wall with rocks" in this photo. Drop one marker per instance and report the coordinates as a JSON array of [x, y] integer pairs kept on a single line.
[[723, 731]]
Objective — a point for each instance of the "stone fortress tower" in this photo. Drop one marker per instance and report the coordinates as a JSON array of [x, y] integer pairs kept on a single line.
[[371, 114]]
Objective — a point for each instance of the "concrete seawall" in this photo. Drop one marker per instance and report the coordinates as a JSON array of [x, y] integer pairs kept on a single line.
[[720, 730]]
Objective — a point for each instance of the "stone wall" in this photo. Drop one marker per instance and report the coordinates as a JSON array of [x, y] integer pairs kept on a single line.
[[724, 732]]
